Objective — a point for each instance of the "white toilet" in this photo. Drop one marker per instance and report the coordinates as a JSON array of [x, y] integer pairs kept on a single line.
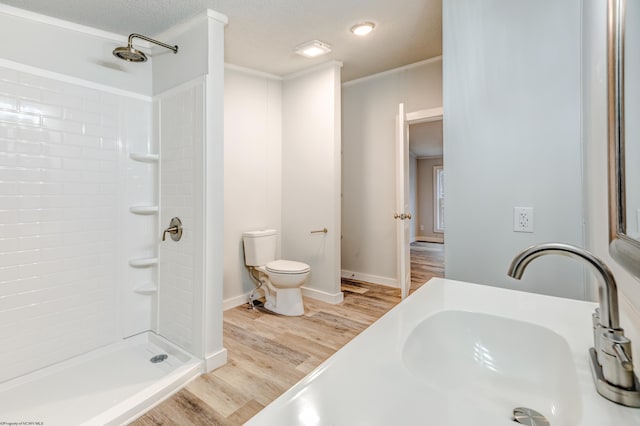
[[280, 279]]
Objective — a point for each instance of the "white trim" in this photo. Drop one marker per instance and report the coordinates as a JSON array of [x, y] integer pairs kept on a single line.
[[424, 115], [373, 279], [61, 23], [17, 66], [251, 71], [430, 157], [436, 229], [323, 296], [306, 71], [215, 360], [391, 71], [430, 239], [220, 17], [235, 301]]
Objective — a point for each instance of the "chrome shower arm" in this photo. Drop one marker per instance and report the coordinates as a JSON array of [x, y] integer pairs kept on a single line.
[[159, 43]]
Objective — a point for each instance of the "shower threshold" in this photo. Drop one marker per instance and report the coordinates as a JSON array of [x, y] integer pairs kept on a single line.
[[108, 386]]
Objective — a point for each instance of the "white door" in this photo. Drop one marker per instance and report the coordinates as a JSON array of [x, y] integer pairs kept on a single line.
[[402, 214]]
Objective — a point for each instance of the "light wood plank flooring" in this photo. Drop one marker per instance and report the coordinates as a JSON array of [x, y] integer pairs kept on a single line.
[[427, 261], [269, 353]]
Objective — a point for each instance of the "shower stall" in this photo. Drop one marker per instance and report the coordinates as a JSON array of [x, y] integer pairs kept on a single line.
[[99, 318]]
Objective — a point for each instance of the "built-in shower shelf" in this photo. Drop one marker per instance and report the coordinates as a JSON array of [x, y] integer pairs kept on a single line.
[[146, 288], [143, 262], [144, 210], [144, 157]]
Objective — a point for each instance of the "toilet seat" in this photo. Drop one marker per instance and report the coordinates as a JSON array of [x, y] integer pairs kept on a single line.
[[287, 267]]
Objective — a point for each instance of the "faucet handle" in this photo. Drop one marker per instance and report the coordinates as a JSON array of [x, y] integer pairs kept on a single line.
[[616, 358], [622, 356]]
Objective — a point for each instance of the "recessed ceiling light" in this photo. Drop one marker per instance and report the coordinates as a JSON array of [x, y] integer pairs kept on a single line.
[[313, 49], [363, 28]]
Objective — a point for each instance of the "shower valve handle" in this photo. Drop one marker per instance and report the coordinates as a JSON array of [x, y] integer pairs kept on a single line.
[[172, 230], [175, 229]]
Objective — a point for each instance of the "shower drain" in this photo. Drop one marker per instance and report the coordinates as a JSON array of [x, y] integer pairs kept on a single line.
[[529, 417], [158, 358]]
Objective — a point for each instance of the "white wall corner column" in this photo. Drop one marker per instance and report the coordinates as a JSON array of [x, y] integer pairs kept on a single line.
[[190, 113], [311, 175], [253, 169], [214, 353]]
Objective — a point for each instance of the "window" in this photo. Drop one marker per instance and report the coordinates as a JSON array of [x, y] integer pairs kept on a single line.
[[438, 199]]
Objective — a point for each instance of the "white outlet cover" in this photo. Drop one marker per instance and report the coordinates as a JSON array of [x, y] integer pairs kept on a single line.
[[523, 219]]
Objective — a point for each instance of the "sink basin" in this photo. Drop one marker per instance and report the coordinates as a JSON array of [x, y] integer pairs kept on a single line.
[[494, 363], [458, 354]]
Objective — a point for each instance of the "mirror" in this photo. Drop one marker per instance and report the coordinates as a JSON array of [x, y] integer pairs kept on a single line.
[[623, 58]]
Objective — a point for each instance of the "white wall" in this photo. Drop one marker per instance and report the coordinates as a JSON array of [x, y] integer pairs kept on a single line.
[[311, 177], [512, 130], [253, 169], [69, 49], [595, 168], [194, 41], [190, 129], [369, 109], [213, 194]]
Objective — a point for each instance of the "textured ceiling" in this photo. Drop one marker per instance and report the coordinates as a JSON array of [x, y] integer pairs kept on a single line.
[[262, 34]]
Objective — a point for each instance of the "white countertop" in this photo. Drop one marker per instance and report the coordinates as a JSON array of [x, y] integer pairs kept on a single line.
[[368, 382]]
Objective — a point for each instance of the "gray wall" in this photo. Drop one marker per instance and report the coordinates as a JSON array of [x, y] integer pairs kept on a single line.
[[512, 137], [369, 110]]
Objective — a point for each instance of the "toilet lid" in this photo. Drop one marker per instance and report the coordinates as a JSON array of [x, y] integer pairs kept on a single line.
[[287, 267]]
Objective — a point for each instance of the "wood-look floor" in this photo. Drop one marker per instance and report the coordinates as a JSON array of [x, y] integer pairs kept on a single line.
[[427, 261], [267, 354]]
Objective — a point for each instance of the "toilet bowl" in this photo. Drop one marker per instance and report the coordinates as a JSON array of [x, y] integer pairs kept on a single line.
[[280, 279]]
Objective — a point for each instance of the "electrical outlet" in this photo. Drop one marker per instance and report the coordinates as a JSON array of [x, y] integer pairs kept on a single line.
[[422, 227], [523, 219]]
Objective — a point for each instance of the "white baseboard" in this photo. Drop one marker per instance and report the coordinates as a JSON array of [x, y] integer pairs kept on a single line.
[[430, 239], [232, 302], [215, 360], [373, 279], [323, 296]]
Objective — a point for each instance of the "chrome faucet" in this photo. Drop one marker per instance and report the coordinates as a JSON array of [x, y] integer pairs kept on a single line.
[[611, 359]]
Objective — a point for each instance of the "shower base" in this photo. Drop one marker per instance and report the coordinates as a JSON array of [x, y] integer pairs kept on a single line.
[[110, 385]]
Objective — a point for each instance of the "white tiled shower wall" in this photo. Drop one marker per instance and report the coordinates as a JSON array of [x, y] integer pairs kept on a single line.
[[63, 151], [180, 113]]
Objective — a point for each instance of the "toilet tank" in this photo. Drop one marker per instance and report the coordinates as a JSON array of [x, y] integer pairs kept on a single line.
[[259, 247]]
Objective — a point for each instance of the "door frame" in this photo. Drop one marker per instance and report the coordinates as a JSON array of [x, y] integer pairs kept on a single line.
[[403, 276]]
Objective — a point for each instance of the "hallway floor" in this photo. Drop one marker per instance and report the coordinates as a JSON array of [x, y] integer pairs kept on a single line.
[[270, 353]]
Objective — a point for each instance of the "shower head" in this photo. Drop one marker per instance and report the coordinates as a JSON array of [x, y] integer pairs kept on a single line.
[[128, 53]]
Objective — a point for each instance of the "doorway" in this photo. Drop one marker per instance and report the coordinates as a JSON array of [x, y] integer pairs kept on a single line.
[[420, 188]]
